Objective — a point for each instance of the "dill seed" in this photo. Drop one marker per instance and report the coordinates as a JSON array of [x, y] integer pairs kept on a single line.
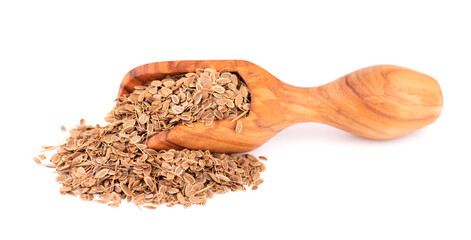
[[111, 163]]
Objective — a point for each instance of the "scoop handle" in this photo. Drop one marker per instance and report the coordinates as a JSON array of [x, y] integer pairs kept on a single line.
[[377, 102]]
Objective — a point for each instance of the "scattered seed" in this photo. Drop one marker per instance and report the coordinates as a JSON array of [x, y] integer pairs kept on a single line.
[[150, 206], [81, 171], [143, 119], [149, 182], [101, 173], [125, 189], [238, 128], [37, 160]]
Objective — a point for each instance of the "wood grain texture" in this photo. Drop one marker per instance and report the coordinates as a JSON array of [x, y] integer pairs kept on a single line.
[[378, 102]]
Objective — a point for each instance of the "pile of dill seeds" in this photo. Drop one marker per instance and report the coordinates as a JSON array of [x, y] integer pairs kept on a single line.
[[109, 164]]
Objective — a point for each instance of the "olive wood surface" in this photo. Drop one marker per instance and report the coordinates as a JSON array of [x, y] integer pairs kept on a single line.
[[377, 102]]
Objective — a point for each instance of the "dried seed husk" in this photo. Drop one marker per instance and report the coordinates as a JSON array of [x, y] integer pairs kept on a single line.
[[102, 173], [150, 183], [125, 189], [218, 89], [177, 109], [37, 160], [238, 127], [150, 206], [166, 91]]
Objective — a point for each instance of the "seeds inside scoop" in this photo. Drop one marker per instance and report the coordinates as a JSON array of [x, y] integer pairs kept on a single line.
[[113, 162]]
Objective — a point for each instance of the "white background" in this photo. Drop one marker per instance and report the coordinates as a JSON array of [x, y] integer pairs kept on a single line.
[[62, 61]]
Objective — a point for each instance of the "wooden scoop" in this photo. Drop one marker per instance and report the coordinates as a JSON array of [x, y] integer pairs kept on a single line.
[[377, 102]]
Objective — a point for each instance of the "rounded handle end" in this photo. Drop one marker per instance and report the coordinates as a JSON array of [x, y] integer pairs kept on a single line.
[[383, 102]]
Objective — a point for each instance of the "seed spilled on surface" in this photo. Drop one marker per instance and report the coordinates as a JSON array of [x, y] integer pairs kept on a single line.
[[112, 163]]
